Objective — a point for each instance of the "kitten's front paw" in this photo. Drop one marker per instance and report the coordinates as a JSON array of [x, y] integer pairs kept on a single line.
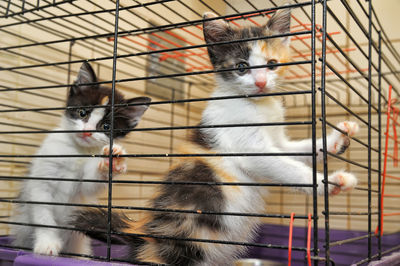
[[118, 163], [47, 246], [343, 181], [339, 141]]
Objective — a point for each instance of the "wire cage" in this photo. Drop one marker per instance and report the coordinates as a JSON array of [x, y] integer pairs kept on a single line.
[[342, 65]]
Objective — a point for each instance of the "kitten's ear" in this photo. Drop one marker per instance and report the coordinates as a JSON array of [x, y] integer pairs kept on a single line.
[[136, 111], [85, 75], [280, 23], [215, 30]]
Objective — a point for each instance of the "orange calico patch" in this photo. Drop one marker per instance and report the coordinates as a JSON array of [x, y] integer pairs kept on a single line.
[[212, 162], [274, 49], [263, 46], [104, 101], [137, 227]]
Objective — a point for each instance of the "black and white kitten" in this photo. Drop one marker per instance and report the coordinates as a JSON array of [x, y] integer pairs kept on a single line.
[[167, 227], [52, 241]]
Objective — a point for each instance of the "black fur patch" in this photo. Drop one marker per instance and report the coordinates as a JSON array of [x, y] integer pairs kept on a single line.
[[94, 223], [200, 197], [344, 147], [180, 252]]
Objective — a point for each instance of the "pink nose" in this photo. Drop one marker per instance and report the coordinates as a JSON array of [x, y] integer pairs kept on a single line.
[[261, 83], [87, 134]]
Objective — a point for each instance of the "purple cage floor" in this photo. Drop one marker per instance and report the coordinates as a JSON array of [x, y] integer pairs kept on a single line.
[[345, 254], [268, 234], [12, 257]]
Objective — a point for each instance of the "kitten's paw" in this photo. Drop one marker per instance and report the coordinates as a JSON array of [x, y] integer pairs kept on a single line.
[[118, 163], [47, 246], [339, 141], [343, 181], [351, 128]]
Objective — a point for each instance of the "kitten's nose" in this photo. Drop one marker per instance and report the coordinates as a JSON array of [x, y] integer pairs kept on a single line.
[[261, 83], [261, 79], [87, 134]]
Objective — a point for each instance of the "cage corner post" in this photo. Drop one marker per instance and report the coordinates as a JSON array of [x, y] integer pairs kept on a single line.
[[379, 144], [369, 128], [324, 135], [314, 134], [110, 156]]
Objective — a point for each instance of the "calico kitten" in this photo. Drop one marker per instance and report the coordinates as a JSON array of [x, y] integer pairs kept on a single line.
[[52, 241], [236, 199]]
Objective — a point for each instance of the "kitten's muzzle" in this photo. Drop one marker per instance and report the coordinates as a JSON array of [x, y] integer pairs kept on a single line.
[[85, 136], [260, 79]]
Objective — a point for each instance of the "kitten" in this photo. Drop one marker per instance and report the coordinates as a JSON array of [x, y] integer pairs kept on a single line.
[[217, 199], [52, 241]]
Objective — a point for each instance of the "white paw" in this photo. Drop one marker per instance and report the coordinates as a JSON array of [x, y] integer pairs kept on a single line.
[[47, 246], [338, 142], [351, 128], [343, 181], [118, 163]]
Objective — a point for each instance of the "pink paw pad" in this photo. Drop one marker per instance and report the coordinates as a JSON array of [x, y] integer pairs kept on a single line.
[[47, 246], [342, 141], [351, 128], [343, 182], [338, 187]]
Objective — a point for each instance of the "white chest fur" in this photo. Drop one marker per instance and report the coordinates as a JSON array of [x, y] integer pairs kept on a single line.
[[265, 111]]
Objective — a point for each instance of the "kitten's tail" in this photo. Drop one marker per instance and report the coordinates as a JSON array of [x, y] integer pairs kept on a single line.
[[94, 223]]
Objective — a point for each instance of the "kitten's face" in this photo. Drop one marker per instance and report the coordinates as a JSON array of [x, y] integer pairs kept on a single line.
[[99, 118], [253, 53]]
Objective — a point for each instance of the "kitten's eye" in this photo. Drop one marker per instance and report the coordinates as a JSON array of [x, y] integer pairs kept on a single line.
[[82, 113], [242, 68], [106, 126], [272, 62]]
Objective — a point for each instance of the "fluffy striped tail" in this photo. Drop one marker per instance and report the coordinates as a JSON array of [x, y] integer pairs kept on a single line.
[[94, 223]]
